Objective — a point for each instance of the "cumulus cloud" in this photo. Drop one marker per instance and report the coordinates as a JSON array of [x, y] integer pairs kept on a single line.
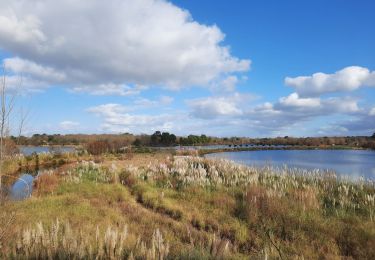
[[212, 107], [69, 125], [363, 124], [228, 84], [294, 100], [117, 118], [237, 114], [147, 103], [24, 84], [292, 111], [97, 44], [347, 79], [21, 66], [270, 118], [109, 89], [109, 110], [317, 106]]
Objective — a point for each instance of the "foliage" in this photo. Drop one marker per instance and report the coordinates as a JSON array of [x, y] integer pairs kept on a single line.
[[165, 139], [195, 139], [158, 138], [98, 147]]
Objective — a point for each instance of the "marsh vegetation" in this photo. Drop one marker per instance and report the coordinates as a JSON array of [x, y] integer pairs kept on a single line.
[[159, 206]]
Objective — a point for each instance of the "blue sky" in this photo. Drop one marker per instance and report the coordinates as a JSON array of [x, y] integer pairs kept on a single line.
[[238, 68]]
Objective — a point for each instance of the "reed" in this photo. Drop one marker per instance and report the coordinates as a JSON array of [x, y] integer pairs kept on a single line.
[[192, 207], [61, 241]]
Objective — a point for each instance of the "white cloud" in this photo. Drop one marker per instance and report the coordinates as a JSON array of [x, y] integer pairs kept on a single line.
[[24, 84], [117, 118], [346, 105], [363, 124], [295, 101], [347, 79], [336, 130], [317, 106], [147, 103], [19, 31], [212, 107], [145, 42], [270, 118], [109, 89], [69, 125], [372, 112], [236, 115], [293, 112], [228, 84], [165, 100], [21, 66], [108, 110], [371, 79]]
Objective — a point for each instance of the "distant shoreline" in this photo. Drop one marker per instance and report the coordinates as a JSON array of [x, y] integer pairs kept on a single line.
[[244, 149]]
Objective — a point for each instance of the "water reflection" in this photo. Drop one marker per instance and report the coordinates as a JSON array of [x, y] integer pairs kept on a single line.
[[350, 163], [22, 188], [29, 150]]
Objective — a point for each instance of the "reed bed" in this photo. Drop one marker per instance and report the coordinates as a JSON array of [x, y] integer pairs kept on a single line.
[[179, 172], [206, 209], [61, 241], [334, 193]]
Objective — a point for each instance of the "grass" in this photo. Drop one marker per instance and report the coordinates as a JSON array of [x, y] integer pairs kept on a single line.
[[190, 208]]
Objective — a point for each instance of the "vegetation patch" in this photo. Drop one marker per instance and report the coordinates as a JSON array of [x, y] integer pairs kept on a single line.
[[190, 207]]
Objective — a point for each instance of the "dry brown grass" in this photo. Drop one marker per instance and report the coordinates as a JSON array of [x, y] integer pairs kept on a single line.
[[46, 184], [307, 198], [137, 160], [238, 218]]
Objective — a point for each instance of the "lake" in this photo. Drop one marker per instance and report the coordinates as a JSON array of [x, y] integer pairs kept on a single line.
[[225, 146], [28, 150], [350, 163]]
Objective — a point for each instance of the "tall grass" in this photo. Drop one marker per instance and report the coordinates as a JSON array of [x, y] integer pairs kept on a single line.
[[61, 241], [320, 188], [228, 211], [333, 193]]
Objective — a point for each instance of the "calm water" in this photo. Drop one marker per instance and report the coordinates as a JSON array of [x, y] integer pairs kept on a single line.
[[224, 146], [22, 188], [28, 150], [351, 163]]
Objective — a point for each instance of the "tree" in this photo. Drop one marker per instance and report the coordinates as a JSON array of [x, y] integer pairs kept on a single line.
[[137, 142], [98, 147], [7, 104], [156, 138], [373, 135], [7, 99]]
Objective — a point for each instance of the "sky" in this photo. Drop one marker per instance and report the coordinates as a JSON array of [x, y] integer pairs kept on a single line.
[[223, 68]]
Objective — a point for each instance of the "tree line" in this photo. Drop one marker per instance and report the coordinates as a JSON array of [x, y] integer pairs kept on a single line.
[[114, 142]]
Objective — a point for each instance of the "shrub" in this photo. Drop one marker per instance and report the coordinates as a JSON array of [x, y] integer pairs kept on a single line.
[[127, 178], [98, 147], [46, 183]]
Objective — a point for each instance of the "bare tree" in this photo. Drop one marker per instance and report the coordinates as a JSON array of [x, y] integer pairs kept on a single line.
[[7, 105], [24, 115]]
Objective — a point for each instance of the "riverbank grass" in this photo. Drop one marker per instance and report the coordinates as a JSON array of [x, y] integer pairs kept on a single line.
[[190, 207]]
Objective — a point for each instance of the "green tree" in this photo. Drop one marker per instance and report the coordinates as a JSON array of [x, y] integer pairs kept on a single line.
[[156, 138]]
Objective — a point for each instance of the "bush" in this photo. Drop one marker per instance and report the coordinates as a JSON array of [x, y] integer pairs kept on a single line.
[[46, 183], [128, 179], [98, 147]]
